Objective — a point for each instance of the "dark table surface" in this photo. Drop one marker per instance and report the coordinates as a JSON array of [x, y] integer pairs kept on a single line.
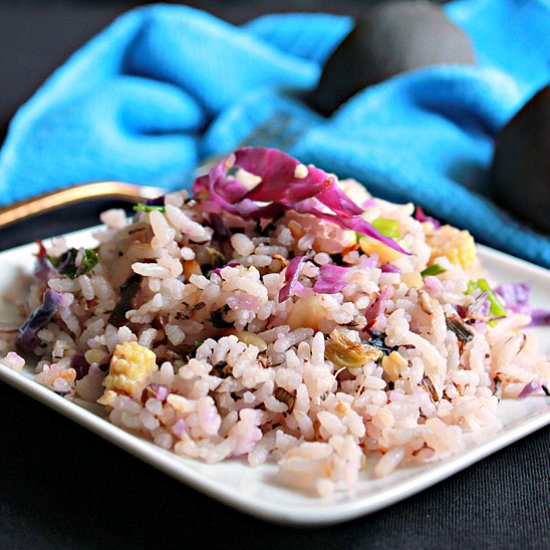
[[61, 486]]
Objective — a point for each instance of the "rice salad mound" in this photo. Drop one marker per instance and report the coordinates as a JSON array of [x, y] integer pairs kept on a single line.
[[276, 313]]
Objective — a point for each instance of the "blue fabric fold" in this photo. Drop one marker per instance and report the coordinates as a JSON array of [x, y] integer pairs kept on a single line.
[[164, 87]]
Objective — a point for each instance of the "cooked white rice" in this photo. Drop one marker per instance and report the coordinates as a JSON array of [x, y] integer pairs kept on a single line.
[[216, 367]]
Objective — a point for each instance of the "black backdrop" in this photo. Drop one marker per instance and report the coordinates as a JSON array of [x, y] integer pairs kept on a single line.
[[61, 486]]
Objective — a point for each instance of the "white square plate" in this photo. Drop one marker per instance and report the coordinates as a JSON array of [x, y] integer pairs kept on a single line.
[[258, 491]]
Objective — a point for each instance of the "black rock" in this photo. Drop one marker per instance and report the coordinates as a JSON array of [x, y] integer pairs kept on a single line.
[[520, 169], [391, 38]]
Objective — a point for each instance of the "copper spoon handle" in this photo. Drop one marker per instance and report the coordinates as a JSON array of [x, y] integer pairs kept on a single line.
[[27, 208]]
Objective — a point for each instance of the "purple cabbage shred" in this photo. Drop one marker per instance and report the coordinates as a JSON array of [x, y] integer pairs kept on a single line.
[[43, 270], [38, 319], [291, 277], [157, 391], [218, 270], [421, 217], [379, 305], [221, 233], [516, 297], [530, 388], [280, 190], [330, 279], [80, 365]]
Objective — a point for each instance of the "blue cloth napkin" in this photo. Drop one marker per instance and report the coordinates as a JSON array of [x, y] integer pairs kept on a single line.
[[164, 87]]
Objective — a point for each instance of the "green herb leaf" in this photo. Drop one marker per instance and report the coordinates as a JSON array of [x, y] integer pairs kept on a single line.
[[66, 262], [434, 269], [140, 207], [388, 228], [88, 262], [472, 285], [496, 309]]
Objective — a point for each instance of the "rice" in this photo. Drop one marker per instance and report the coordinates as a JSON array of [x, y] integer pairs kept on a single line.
[[180, 332]]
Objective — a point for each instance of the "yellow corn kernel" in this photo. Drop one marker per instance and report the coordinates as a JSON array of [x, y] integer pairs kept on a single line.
[[131, 365], [456, 245], [385, 253]]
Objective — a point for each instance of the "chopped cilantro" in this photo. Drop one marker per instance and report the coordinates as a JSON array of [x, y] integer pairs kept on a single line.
[[140, 207], [496, 308], [66, 264], [434, 269]]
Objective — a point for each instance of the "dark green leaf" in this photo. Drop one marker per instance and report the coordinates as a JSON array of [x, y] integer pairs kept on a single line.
[[128, 291], [433, 270], [66, 262]]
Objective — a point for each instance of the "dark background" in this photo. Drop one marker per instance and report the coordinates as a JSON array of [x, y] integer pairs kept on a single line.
[[61, 486]]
